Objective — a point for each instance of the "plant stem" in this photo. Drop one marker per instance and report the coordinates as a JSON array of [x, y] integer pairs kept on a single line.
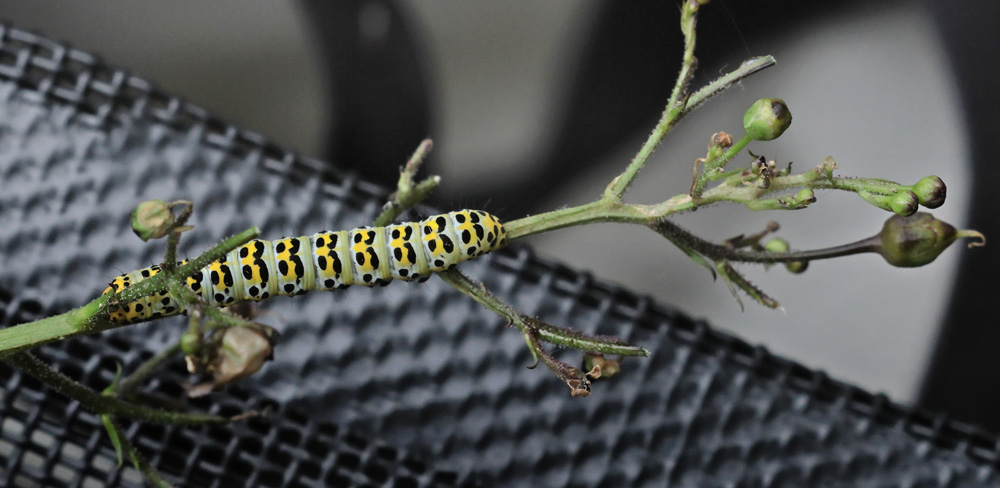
[[158, 283], [745, 69], [170, 256], [673, 111], [102, 404], [732, 190], [535, 327], [88, 320], [132, 382], [140, 462], [407, 194], [718, 252]]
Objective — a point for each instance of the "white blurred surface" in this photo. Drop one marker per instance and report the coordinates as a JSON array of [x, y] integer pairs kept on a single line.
[[869, 87]]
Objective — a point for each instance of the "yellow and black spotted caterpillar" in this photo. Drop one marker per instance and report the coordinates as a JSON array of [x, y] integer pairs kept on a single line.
[[366, 256]]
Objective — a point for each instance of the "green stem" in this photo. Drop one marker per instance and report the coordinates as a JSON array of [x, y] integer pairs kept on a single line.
[[535, 327], [576, 340], [713, 166], [407, 194], [671, 114], [127, 386], [735, 191], [158, 283], [747, 68], [170, 255], [717, 252], [88, 320], [152, 475], [102, 404], [577, 381]]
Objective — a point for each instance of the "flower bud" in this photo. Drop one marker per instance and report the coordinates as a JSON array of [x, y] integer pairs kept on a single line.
[[931, 191], [780, 245], [904, 203], [803, 198], [191, 343], [767, 119], [152, 219], [916, 240], [776, 244]]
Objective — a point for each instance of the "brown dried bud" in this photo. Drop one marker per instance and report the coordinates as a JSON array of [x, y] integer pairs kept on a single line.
[[152, 219], [722, 139], [242, 352], [599, 367]]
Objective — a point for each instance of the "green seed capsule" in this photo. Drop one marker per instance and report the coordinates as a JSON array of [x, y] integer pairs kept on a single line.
[[778, 244], [767, 119], [908, 242]]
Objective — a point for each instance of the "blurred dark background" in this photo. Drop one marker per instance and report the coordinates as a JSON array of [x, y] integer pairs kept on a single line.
[[535, 105]]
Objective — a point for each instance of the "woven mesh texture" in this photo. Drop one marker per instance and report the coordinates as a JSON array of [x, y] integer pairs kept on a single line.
[[408, 385]]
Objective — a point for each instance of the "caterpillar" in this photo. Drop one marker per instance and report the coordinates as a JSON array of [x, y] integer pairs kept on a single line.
[[327, 260]]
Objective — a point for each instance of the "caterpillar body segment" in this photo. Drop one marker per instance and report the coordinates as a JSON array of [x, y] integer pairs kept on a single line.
[[328, 260]]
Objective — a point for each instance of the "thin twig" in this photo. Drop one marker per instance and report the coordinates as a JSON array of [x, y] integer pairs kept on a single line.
[[102, 404], [128, 385]]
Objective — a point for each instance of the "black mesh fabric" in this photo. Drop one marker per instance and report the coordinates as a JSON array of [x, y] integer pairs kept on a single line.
[[408, 385]]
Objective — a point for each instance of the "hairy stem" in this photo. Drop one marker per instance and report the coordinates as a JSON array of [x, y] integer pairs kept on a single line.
[[673, 111], [535, 327], [152, 475], [102, 404], [718, 252], [127, 386], [170, 256], [88, 320], [732, 190], [407, 194]]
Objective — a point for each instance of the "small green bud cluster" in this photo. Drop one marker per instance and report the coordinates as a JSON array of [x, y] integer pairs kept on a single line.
[[779, 245], [904, 200], [191, 344]]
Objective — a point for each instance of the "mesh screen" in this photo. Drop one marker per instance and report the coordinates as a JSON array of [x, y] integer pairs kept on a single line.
[[408, 385]]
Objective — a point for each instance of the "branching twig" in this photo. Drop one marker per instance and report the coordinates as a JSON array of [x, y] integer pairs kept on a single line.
[[672, 114], [138, 460], [128, 385], [407, 194], [102, 404]]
